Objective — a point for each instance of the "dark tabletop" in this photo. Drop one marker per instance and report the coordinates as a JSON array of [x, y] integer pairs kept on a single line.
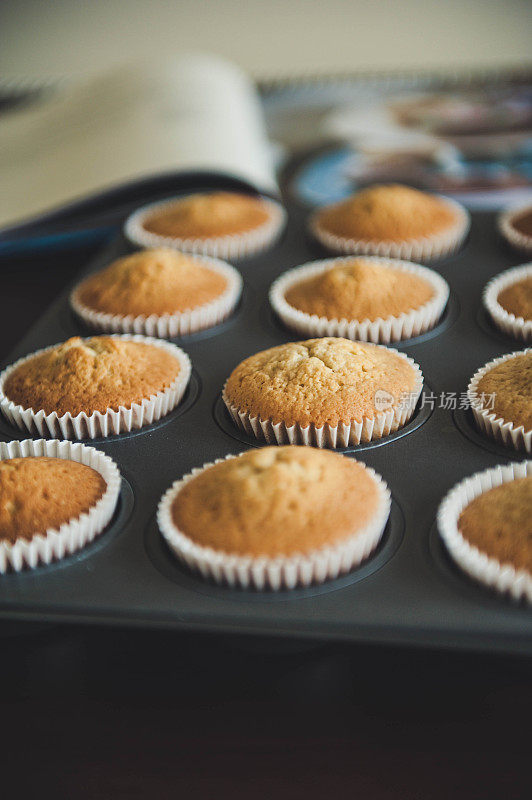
[[102, 713]]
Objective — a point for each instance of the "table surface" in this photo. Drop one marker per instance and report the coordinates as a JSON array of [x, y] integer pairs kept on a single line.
[[100, 713]]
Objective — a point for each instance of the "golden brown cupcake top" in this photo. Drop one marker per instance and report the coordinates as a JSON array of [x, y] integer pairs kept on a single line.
[[523, 223], [499, 523], [319, 381], [39, 493], [91, 375], [387, 213], [517, 298], [276, 501], [161, 281], [510, 383], [201, 216], [360, 289]]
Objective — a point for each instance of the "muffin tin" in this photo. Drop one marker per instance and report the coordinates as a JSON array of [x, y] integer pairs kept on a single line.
[[408, 592]]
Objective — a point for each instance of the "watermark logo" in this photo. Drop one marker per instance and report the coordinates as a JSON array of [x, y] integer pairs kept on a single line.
[[383, 400], [449, 401]]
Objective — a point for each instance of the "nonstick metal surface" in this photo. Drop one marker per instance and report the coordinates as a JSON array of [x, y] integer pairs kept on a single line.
[[407, 592]]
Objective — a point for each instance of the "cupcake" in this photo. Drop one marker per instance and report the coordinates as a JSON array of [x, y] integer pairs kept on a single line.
[[367, 298], [55, 497], [486, 525], [85, 388], [393, 221], [508, 300], [158, 293], [223, 224], [325, 392], [500, 395], [515, 226], [275, 518]]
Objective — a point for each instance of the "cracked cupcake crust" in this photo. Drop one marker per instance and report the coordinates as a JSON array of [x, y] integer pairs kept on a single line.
[[88, 375], [39, 493], [319, 382], [276, 501]]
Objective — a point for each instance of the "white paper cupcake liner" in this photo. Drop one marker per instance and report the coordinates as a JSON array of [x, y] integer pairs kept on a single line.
[[84, 426], [384, 331], [231, 247], [429, 248], [273, 573], [503, 578], [497, 428], [345, 434], [56, 543], [514, 326], [518, 240], [167, 326]]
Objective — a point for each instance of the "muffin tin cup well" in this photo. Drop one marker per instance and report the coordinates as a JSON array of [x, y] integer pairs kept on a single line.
[[421, 414], [430, 248], [517, 240], [168, 326], [397, 595], [488, 422], [384, 331], [345, 434], [84, 426], [231, 247], [508, 323], [504, 578], [54, 544], [263, 573]]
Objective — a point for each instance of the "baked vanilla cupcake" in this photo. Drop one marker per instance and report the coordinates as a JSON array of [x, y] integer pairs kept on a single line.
[[326, 392], [508, 300], [486, 525], [223, 224], [85, 388], [158, 293], [515, 225], [275, 518], [500, 395], [366, 298], [55, 497], [393, 221]]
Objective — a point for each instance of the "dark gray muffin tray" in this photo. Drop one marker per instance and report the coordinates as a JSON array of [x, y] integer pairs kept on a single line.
[[408, 592]]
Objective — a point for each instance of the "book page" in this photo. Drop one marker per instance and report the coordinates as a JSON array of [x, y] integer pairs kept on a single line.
[[195, 112]]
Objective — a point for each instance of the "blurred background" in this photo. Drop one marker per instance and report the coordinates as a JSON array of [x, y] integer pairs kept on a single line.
[[65, 37], [313, 99]]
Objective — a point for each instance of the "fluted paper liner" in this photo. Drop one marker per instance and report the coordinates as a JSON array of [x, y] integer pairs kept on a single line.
[[233, 246], [56, 543], [518, 240], [381, 330], [518, 327], [167, 326], [282, 572], [503, 431], [427, 248], [84, 426], [345, 434], [502, 577]]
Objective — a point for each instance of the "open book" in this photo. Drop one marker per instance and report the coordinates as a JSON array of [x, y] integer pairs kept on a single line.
[[193, 113]]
